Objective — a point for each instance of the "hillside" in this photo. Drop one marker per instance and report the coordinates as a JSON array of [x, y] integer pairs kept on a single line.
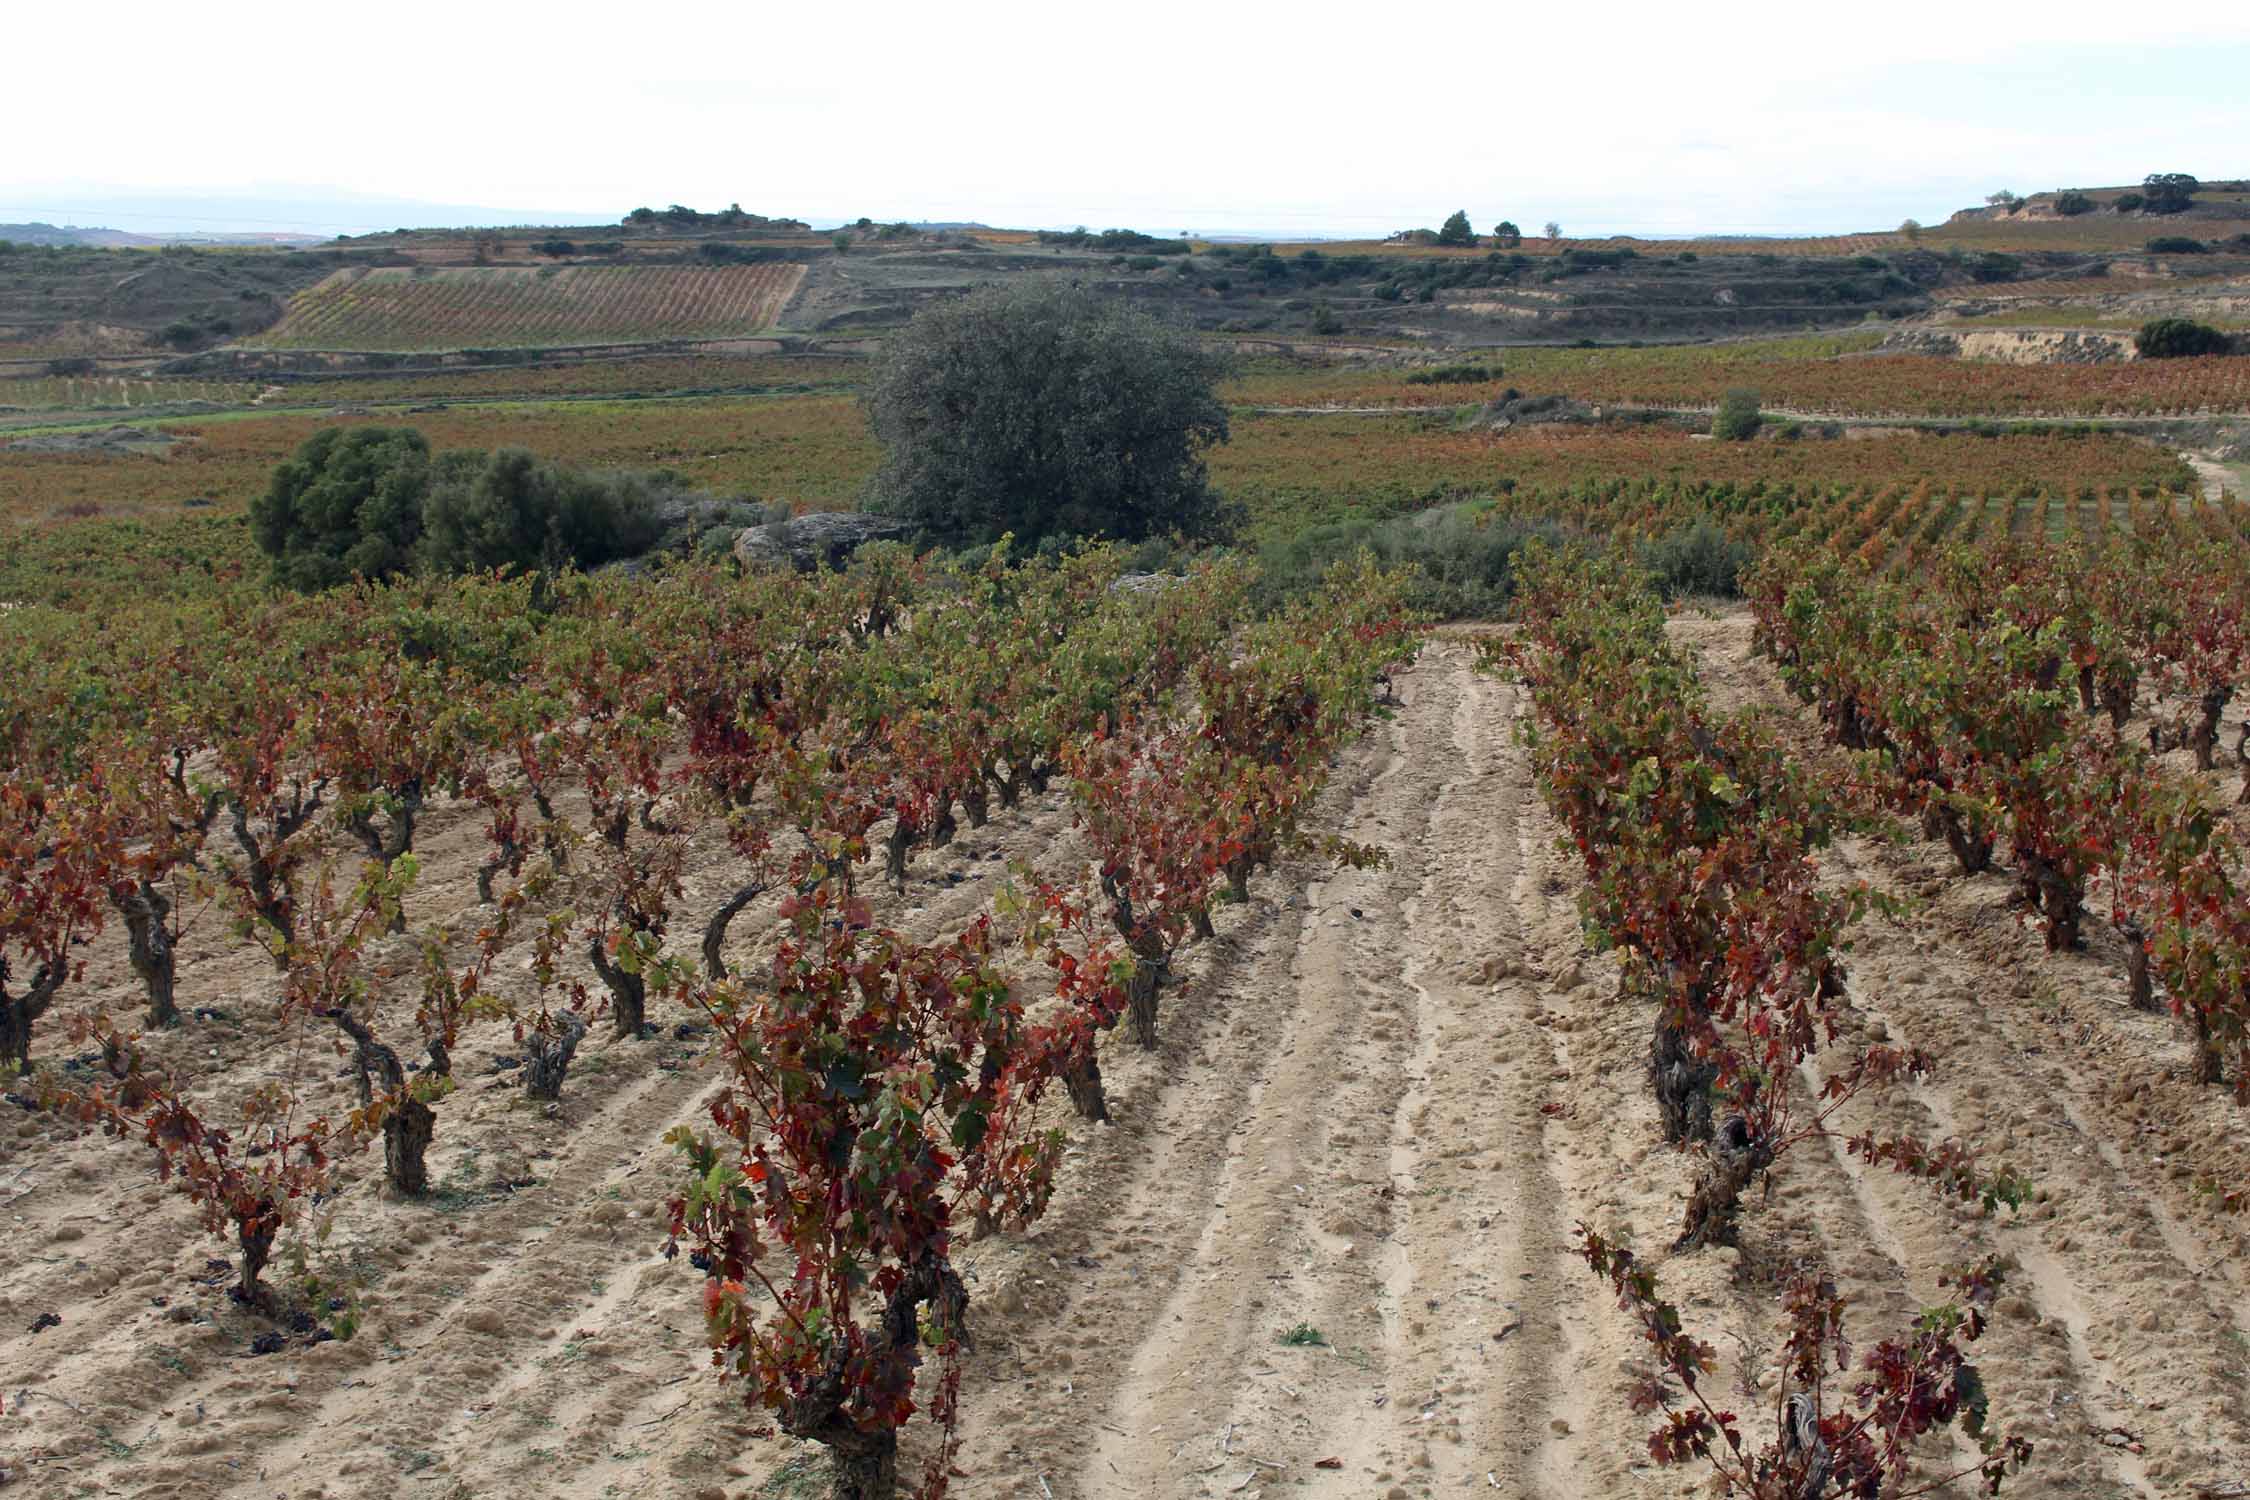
[[628, 283], [121, 239], [85, 301]]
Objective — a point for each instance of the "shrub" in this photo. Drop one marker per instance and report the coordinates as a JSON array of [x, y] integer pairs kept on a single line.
[[1041, 409], [555, 246], [348, 504], [1738, 418], [2071, 205], [2177, 338], [1699, 559], [1464, 562], [1116, 240], [2169, 192], [2128, 203], [2177, 244], [1455, 375], [509, 508], [1993, 266], [1324, 319], [71, 365]]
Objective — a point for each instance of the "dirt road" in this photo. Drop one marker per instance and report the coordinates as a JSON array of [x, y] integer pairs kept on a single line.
[[1325, 1250]]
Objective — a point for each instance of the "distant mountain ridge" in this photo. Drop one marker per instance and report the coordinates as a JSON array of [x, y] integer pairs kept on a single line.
[[36, 233]]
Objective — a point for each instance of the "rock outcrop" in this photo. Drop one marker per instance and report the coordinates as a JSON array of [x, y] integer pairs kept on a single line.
[[810, 540]]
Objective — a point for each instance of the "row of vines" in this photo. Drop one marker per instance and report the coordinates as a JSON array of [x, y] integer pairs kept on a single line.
[[2059, 695], [1996, 697], [1903, 528], [275, 760], [1701, 837]]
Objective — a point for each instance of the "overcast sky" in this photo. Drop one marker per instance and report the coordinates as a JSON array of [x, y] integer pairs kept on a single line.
[[1274, 117]]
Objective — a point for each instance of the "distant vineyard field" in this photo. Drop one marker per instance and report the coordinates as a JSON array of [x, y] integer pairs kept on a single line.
[[1289, 470], [417, 309], [104, 392], [693, 372], [1832, 375], [814, 450]]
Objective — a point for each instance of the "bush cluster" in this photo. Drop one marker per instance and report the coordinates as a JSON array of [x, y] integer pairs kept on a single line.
[[1993, 266], [2179, 338], [1463, 558], [1115, 240], [1464, 561], [1738, 417], [724, 253], [1699, 559], [373, 502], [1456, 375]]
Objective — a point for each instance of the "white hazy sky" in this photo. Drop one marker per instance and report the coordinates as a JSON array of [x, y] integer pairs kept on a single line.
[[1278, 117]]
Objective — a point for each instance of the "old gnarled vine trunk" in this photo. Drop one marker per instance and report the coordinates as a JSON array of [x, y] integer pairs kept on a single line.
[[148, 947], [866, 1462], [1683, 1082], [547, 1055], [18, 1009], [408, 1122], [1737, 1156]]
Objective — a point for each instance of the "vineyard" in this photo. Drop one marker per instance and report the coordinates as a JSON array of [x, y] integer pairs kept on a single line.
[[814, 450], [1905, 530], [110, 392], [1289, 470], [1821, 376], [1548, 954], [672, 375], [425, 309], [879, 1099], [1037, 1031], [1294, 470], [1746, 874]]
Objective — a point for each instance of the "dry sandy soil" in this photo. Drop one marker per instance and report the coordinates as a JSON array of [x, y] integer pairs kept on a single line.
[[1380, 1106]]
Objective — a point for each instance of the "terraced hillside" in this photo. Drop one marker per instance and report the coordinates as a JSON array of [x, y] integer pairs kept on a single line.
[[418, 309]]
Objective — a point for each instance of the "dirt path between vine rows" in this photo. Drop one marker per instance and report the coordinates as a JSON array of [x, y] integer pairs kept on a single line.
[[1324, 1250]]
